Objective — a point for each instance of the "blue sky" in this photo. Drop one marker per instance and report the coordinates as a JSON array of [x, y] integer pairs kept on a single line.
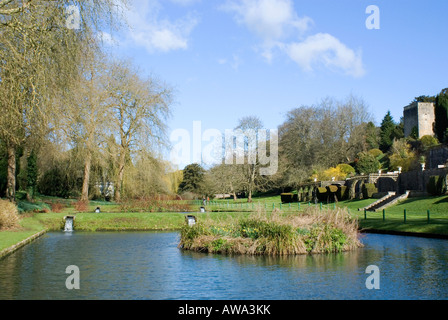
[[232, 58]]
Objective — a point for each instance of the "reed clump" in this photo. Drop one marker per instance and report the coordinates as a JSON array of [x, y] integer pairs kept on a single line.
[[308, 232], [9, 216]]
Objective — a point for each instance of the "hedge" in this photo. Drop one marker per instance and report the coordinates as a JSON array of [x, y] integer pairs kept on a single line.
[[368, 190], [342, 193], [432, 185], [322, 194], [295, 198], [287, 197], [437, 185]]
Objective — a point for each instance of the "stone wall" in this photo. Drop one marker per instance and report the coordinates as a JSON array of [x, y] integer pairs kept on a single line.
[[417, 180], [414, 181], [386, 185], [437, 156]]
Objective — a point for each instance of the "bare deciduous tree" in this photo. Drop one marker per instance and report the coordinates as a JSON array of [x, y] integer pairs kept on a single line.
[[140, 107], [322, 135], [38, 56], [86, 115]]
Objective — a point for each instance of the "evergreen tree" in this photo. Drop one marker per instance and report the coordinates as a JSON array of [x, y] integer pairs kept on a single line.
[[425, 99], [398, 132], [441, 114], [367, 163], [372, 136], [387, 133], [193, 179], [32, 173]]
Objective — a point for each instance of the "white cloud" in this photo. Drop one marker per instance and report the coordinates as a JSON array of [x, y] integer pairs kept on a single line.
[[279, 26], [157, 34], [324, 49], [271, 20]]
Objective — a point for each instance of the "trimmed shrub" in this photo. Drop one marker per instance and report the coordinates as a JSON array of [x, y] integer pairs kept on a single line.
[[441, 185], [287, 197], [307, 194], [300, 194], [342, 193], [368, 190], [432, 185], [322, 194], [332, 189], [295, 198], [9, 217], [437, 185], [331, 193]]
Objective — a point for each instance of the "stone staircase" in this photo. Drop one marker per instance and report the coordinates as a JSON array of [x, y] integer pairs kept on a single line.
[[389, 200]]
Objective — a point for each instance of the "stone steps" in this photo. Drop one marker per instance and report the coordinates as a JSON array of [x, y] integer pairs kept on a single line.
[[378, 202], [389, 200]]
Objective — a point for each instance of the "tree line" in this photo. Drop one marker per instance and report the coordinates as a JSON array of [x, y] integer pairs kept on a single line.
[[330, 140], [77, 123]]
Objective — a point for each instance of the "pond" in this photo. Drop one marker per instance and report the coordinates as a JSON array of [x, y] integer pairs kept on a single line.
[[148, 265]]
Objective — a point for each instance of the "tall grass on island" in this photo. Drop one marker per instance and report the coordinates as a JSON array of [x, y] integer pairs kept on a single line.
[[308, 232]]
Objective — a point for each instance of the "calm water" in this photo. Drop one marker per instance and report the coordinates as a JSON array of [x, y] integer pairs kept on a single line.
[[150, 266]]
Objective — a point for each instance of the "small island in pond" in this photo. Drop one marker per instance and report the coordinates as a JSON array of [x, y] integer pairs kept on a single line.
[[309, 232]]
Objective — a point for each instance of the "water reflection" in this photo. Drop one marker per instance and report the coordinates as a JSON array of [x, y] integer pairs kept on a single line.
[[150, 266]]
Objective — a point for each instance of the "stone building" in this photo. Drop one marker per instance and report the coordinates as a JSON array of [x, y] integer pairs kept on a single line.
[[419, 116]]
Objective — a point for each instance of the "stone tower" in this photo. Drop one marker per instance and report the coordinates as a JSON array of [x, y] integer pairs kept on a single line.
[[419, 115]]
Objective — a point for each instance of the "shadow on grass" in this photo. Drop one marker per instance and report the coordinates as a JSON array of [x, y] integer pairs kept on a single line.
[[444, 200], [417, 227], [424, 203]]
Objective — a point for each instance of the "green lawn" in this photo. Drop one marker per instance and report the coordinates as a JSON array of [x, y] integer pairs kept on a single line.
[[416, 212], [29, 227], [128, 221], [416, 218]]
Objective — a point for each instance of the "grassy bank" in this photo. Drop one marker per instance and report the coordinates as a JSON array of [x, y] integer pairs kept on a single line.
[[29, 226], [423, 215], [111, 221]]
